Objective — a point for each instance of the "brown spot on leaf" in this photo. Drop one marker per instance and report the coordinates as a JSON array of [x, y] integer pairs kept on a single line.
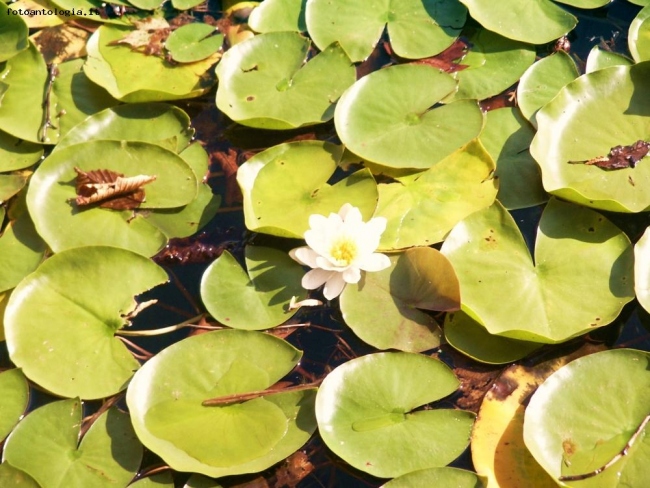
[[620, 157]]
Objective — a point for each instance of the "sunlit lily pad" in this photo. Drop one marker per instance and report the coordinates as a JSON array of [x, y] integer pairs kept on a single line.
[[417, 29], [506, 137], [16, 153], [365, 414], [193, 42], [187, 220], [588, 117], [46, 446], [255, 300], [422, 208], [542, 81], [493, 64], [578, 253], [583, 416], [472, 339], [639, 36], [157, 123], [64, 225], [61, 320], [600, 58], [642, 270], [10, 185], [302, 170], [384, 308], [499, 454], [165, 400], [14, 397], [384, 123], [279, 15], [21, 248], [72, 97], [13, 34], [264, 82], [119, 70], [10, 476], [536, 21], [458, 478]]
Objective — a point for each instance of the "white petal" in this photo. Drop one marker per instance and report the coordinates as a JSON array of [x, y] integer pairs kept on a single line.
[[325, 263], [345, 208], [315, 278], [304, 255], [352, 275], [353, 219], [376, 226], [334, 286], [318, 222], [374, 262]]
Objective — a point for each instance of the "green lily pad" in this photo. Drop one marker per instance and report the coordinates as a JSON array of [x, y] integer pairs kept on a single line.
[[10, 476], [472, 339], [642, 270], [578, 254], [536, 22], [21, 248], [10, 185], [146, 4], [584, 415], [255, 300], [14, 398], [422, 208], [493, 64], [599, 58], [160, 480], [200, 481], [382, 122], [157, 123], [13, 34], [643, 3], [365, 414], [46, 446], [61, 320], [417, 29], [64, 225], [458, 478], [542, 81], [185, 4], [302, 170], [119, 70], [264, 82], [16, 153], [193, 42], [506, 137], [187, 220], [165, 400], [588, 117], [72, 97], [383, 309], [4, 299], [278, 15], [638, 37]]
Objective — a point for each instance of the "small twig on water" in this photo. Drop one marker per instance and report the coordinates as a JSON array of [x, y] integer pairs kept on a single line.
[[163, 330], [243, 397], [52, 73]]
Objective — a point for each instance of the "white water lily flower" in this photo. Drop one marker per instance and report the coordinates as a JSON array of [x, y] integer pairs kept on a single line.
[[338, 248]]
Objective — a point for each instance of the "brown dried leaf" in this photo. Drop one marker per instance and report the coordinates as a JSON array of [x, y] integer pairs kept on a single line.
[[148, 38], [446, 59], [620, 157], [112, 189]]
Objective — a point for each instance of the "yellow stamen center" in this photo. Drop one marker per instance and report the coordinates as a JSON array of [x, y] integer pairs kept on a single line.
[[344, 251]]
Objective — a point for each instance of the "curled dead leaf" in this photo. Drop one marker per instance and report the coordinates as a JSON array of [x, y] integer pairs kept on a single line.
[[110, 189], [620, 157]]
